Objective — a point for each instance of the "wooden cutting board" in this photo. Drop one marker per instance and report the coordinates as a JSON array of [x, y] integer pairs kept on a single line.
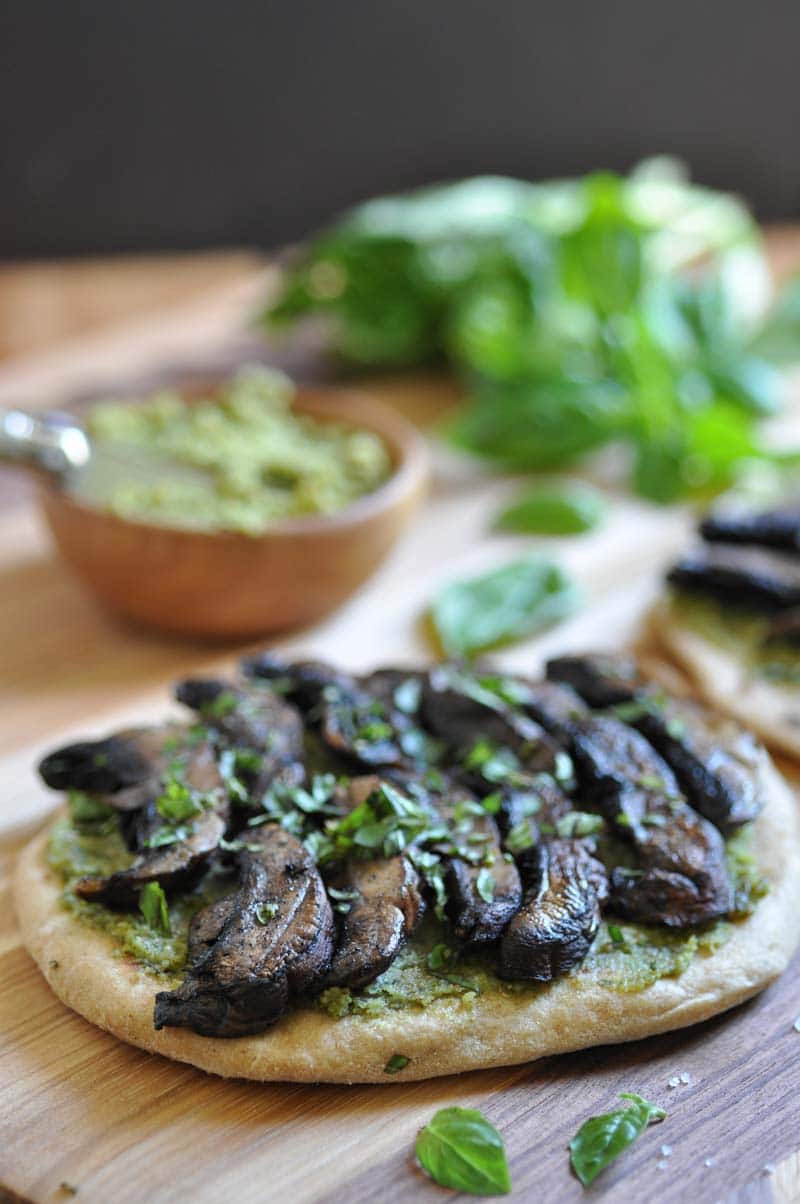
[[79, 1108]]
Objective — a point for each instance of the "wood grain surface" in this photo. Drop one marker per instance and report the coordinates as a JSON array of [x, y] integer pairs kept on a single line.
[[78, 1107]]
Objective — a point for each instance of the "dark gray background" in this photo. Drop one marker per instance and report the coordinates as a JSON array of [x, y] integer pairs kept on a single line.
[[134, 124]]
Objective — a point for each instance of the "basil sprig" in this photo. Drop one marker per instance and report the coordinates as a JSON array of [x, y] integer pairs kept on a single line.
[[601, 1139], [459, 1148]]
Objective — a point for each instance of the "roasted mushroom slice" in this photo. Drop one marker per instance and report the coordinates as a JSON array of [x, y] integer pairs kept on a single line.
[[250, 718], [778, 528], [625, 779], [456, 707], [600, 679], [554, 705], [754, 579], [384, 904], [560, 913], [193, 819], [271, 944], [483, 886], [358, 728], [303, 682], [123, 768], [717, 763]]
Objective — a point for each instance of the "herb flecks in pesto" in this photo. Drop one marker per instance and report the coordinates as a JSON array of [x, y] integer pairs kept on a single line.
[[248, 459]]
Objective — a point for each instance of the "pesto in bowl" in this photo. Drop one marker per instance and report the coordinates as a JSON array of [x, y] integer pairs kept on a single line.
[[250, 459]]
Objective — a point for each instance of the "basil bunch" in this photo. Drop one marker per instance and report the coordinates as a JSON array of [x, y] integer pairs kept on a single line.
[[574, 313]]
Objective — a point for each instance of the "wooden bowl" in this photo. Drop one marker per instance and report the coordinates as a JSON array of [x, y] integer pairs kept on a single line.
[[226, 584]]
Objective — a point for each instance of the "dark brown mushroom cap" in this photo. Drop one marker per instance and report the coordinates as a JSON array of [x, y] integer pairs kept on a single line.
[[716, 762], [560, 914], [177, 865], [120, 768], [387, 909], [455, 707], [626, 780], [778, 528], [271, 942], [601, 680], [752, 578]]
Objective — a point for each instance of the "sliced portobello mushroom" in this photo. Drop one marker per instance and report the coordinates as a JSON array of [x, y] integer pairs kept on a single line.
[[680, 878], [717, 763], [122, 769], [254, 718], [303, 682], [749, 578], [179, 851], [779, 528], [560, 913], [385, 908], [252, 955], [457, 708], [555, 705]]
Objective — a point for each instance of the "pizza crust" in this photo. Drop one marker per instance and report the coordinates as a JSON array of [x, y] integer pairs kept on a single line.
[[721, 677], [448, 1036]]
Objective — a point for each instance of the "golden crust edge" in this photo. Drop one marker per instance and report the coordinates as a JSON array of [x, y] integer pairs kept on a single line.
[[720, 678], [445, 1038]]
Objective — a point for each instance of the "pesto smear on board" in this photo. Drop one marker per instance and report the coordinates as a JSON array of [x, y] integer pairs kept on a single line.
[[259, 460]]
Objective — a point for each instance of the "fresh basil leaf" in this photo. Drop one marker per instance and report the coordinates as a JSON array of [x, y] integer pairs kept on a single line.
[[502, 605], [601, 1139], [153, 906], [460, 1149], [553, 510]]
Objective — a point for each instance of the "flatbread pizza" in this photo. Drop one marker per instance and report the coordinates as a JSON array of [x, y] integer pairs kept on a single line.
[[731, 619], [412, 873]]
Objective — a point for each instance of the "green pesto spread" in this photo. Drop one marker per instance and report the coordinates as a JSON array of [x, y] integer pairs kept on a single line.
[[742, 633], [98, 849], [624, 957], [239, 461]]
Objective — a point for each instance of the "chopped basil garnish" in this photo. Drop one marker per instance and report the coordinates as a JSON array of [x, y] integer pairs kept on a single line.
[[579, 823], [520, 838], [407, 695], [85, 809], [153, 906], [440, 960], [485, 884], [167, 835], [601, 1139], [460, 1149], [396, 1063]]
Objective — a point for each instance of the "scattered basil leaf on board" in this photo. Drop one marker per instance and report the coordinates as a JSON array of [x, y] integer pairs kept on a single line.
[[396, 1063], [502, 605], [459, 1148], [153, 906], [553, 510], [601, 1139]]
